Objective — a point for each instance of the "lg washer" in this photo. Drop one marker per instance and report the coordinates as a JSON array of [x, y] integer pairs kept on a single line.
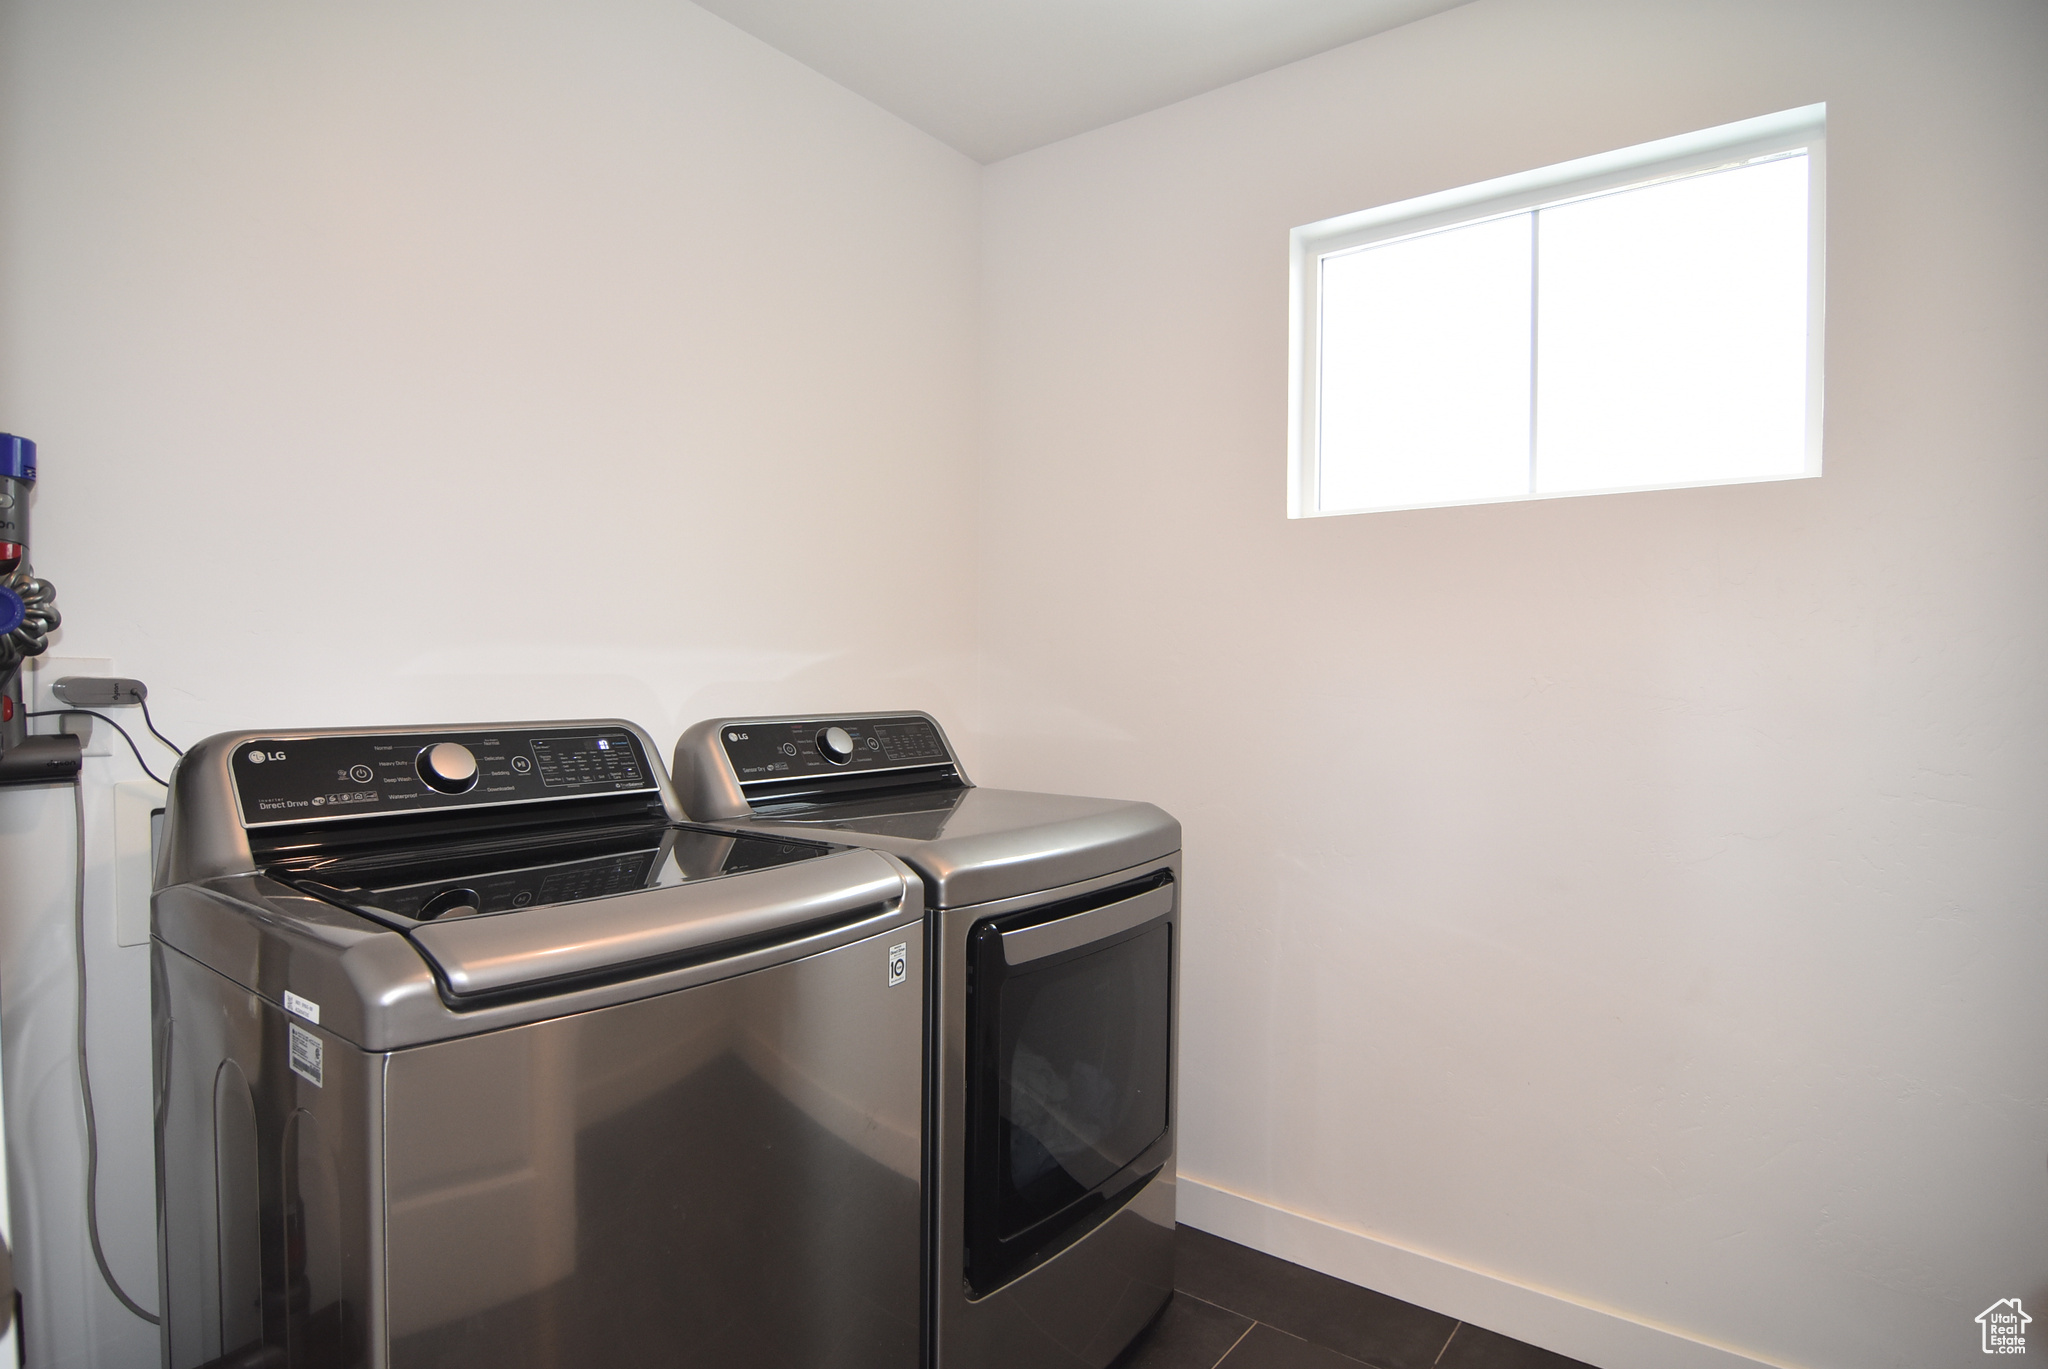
[[470, 1053]]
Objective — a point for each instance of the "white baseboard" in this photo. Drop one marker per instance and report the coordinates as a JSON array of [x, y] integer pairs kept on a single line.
[[1596, 1335]]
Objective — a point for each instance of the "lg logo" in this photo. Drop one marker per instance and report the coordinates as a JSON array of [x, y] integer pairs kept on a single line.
[[258, 757]]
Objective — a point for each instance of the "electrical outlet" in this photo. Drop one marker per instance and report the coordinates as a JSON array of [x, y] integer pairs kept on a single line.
[[39, 688]]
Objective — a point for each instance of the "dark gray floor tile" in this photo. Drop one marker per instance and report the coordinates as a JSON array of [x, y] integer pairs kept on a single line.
[[1189, 1334], [1266, 1348], [1477, 1348], [1382, 1331]]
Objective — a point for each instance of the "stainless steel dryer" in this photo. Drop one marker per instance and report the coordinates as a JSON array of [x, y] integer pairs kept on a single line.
[[468, 1055], [1054, 926]]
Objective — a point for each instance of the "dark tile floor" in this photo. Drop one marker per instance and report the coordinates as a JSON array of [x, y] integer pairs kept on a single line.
[[1239, 1309]]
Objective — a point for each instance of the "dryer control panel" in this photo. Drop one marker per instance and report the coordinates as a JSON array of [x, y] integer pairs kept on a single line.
[[732, 767], [790, 748], [300, 779]]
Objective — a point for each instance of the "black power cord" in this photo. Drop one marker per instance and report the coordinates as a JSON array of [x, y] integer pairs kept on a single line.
[[88, 713], [92, 1131], [150, 723]]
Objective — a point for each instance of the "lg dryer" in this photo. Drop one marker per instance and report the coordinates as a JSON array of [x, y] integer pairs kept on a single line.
[[468, 1054], [1054, 928]]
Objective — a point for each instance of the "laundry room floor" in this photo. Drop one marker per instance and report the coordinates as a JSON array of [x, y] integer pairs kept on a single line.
[[1236, 1308]]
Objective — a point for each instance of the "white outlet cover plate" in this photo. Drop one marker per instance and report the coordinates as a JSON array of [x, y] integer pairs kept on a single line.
[[43, 672]]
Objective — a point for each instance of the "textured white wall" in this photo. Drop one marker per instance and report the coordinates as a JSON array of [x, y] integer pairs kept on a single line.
[[1636, 897], [418, 360]]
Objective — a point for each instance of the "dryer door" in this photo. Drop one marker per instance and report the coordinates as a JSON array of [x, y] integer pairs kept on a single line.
[[1069, 1066]]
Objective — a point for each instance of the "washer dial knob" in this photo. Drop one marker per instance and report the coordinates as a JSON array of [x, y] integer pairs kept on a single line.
[[837, 745], [448, 766]]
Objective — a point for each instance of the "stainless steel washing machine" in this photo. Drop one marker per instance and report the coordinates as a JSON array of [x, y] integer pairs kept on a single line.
[[468, 1054], [1054, 926]]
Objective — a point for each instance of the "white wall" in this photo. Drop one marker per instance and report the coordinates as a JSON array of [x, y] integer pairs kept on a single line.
[[1633, 898], [412, 360], [1636, 899]]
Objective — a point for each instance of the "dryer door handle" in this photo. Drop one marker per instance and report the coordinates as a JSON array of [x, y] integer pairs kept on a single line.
[[1027, 944]]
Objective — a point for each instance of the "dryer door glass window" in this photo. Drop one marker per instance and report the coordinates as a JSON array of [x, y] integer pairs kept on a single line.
[[1068, 1091]]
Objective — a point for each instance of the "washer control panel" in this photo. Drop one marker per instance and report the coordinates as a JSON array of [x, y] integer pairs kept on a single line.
[[298, 779], [790, 749]]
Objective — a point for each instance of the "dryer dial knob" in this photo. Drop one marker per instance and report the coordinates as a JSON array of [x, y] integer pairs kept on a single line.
[[448, 766], [837, 745]]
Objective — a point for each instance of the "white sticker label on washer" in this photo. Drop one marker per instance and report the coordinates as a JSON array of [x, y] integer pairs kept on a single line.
[[899, 962], [304, 1007], [305, 1055]]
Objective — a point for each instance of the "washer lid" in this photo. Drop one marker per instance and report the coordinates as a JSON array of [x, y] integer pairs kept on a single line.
[[494, 917], [510, 874], [381, 988], [541, 948]]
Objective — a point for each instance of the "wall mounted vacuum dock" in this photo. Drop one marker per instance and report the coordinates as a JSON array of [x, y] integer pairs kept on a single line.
[[1054, 926], [470, 1054], [28, 615]]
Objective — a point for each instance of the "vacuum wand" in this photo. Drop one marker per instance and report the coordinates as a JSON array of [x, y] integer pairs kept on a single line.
[[28, 615]]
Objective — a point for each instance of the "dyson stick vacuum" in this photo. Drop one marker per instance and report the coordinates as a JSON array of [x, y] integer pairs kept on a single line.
[[28, 614]]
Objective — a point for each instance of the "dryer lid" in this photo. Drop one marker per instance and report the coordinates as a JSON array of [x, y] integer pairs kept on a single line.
[[975, 846]]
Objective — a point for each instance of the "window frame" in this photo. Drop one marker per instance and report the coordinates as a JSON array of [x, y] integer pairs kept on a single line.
[[1725, 146]]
